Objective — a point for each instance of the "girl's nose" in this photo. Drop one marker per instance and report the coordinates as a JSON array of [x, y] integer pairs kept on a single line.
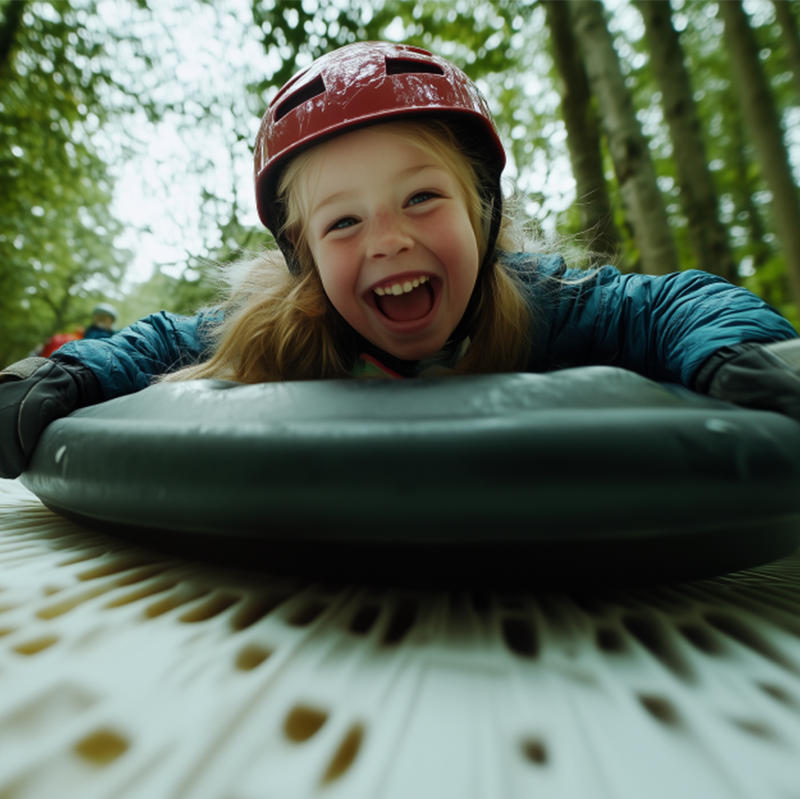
[[389, 237]]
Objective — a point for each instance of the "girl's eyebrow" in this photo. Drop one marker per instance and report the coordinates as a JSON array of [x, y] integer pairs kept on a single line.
[[333, 198], [348, 194]]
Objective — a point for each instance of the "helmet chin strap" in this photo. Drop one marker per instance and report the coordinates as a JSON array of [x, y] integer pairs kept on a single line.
[[463, 327], [290, 256]]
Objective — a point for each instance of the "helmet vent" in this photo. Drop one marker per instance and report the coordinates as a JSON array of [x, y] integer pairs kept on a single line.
[[405, 66], [307, 92]]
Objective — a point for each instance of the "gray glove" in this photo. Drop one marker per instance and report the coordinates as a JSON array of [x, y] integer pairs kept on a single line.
[[33, 393], [762, 376]]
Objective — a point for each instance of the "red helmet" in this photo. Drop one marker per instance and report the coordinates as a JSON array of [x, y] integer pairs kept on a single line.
[[357, 85]]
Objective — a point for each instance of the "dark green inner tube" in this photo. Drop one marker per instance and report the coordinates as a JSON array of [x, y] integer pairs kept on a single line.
[[589, 475]]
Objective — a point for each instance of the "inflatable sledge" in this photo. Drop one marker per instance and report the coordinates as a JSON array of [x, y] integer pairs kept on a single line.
[[588, 475]]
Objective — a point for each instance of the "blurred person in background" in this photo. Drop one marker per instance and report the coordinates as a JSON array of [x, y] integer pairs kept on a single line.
[[102, 326], [103, 318]]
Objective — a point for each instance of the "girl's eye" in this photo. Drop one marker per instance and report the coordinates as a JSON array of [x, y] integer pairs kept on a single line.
[[422, 196], [341, 224]]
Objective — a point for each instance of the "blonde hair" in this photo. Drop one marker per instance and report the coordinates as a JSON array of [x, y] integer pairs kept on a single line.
[[280, 325]]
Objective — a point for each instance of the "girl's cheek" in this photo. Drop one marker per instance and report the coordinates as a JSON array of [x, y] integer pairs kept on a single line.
[[335, 268], [342, 253]]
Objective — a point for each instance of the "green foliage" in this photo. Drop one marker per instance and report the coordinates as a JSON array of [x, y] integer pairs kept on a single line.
[[57, 254], [185, 294], [201, 283]]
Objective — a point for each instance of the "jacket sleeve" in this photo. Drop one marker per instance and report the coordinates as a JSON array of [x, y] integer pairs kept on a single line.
[[663, 327], [128, 361]]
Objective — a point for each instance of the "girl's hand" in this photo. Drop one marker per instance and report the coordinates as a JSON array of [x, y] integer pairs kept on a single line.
[[762, 376], [33, 393]]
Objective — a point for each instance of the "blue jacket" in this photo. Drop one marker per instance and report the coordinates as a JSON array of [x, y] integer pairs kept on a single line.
[[664, 328], [93, 331]]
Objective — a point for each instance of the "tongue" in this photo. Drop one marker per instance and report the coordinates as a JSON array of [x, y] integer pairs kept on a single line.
[[407, 307]]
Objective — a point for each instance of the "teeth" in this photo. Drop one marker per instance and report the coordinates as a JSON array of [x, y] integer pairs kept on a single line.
[[397, 288]]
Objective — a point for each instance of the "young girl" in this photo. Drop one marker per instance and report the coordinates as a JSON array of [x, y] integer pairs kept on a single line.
[[378, 172]]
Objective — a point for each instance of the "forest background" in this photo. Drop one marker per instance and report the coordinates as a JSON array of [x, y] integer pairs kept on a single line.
[[656, 135]]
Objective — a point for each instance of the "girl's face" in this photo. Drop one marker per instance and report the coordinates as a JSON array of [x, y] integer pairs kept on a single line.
[[389, 231]]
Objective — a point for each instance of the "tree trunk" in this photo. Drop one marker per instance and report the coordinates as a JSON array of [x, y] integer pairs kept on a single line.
[[708, 236], [788, 23], [583, 132], [739, 157], [762, 119], [636, 175], [13, 11]]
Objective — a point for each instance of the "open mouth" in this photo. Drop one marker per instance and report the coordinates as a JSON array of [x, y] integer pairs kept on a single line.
[[405, 300]]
